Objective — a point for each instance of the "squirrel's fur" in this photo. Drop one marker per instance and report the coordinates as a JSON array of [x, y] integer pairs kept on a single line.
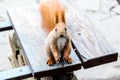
[[53, 22]]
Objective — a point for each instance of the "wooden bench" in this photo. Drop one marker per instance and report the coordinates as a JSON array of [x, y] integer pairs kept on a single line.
[[26, 22], [91, 45], [90, 48]]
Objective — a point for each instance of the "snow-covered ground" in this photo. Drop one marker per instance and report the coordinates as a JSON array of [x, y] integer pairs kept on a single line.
[[105, 15]]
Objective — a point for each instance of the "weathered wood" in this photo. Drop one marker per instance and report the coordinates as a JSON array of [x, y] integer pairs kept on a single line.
[[13, 46], [16, 58], [5, 23], [91, 44], [31, 36], [13, 58], [17, 73], [13, 61], [5, 28]]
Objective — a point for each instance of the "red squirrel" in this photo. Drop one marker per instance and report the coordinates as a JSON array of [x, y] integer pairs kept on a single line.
[[58, 41]]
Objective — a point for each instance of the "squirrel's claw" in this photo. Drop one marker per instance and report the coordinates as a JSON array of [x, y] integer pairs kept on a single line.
[[50, 62], [57, 59], [67, 59]]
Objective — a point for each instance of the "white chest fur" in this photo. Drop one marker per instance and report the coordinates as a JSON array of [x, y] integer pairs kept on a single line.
[[61, 43]]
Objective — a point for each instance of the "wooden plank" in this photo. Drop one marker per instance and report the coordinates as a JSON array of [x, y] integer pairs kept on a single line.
[[5, 27], [26, 22], [5, 23], [17, 73], [91, 44]]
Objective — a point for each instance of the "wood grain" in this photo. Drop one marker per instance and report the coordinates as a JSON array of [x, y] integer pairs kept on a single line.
[[90, 43], [26, 22], [22, 72]]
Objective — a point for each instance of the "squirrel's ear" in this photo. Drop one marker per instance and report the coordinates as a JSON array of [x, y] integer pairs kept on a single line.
[[63, 16], [59, 17], [56, 18]]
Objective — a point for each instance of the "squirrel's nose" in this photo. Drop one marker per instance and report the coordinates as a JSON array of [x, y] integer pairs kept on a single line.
[[61, 35]]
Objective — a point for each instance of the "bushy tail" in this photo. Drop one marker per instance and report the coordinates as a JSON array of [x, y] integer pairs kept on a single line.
[[52, 13]]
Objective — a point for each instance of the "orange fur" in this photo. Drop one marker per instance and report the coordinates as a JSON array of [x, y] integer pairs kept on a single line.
[[53, 23], [52, 12]]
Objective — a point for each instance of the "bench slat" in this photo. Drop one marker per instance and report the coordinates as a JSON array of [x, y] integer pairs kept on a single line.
[[91, 44], [5, 23], [22, 72]]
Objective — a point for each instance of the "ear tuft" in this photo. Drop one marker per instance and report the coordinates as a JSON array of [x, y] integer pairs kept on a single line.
[[63, 16], [56, 17]]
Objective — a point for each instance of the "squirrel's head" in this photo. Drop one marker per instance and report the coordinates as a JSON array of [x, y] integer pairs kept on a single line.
[[60, 30]]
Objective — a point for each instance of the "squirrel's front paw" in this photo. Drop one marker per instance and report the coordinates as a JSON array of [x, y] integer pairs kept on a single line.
[[57, 59], [50, 62], [67, 59]]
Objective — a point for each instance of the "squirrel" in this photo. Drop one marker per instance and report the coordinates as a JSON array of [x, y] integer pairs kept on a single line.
[[58, 42]]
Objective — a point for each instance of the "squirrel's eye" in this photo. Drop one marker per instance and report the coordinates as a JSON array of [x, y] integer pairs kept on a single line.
[[65, 29], [55, 29]]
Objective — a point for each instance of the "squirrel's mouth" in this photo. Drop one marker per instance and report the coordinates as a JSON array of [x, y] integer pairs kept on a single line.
[[61, 36]]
